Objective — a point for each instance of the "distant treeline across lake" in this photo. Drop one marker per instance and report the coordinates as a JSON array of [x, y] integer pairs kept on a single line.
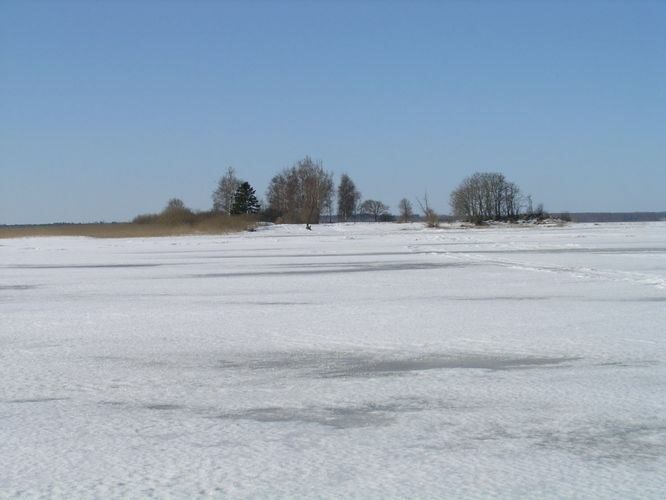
[[617, 216]]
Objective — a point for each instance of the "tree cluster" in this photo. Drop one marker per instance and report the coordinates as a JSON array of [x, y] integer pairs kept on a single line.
[[234, 196], [301, 193], [374, 208], [486, 196], [304, 192], [223, 196]]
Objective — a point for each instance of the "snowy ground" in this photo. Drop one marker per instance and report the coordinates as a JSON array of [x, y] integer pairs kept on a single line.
[[367, 360]]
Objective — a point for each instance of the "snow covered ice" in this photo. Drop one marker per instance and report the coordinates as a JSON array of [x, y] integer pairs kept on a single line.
[[358, 360]]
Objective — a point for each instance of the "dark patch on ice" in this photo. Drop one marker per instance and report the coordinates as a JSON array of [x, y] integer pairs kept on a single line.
[[502, 298], [303, 360], [496, 432], [530, 251], [615, 441], [342, 365], [80, 266], [36, 400], [135, 361], [17, 287], [395, 366], [269, 303], [110, 357], [162, 407], [629, 299], [343, 268], [446, 243], [159, 363], [339, 417], [280, 303], [224, 364], [277, 255], [399, 265]]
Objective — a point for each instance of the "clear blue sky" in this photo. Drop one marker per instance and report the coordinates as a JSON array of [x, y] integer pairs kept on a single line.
[[108, 109]]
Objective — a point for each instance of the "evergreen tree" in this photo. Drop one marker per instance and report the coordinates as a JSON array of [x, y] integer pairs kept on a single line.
[[245, 200]]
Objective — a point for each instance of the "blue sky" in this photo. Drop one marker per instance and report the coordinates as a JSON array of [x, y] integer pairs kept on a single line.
[[108, 109]]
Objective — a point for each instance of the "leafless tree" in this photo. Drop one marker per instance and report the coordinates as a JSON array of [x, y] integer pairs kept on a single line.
[[175, 204], [511, 201], [281, 193], [223, 196], [328, 206], [431, 217], [176, 213], [406, 210], [348, 198], [375, 208], [300, 193], [540, 213], [317, 188]]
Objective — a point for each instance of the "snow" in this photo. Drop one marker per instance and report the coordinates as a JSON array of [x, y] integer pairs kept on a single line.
[[358, 360]]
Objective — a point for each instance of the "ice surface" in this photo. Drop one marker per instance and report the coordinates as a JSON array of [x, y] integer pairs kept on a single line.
[[357, 360]]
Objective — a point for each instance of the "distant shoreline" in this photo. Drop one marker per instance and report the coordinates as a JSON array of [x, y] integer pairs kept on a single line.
[[615, 216], [134, 230], [122, 229]]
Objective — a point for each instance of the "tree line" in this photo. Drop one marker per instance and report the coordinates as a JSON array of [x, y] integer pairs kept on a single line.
[[305, 193]]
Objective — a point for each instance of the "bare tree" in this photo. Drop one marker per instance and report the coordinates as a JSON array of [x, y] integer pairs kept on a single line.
[[300, 193], [348, 198], [175, 204], [529, 209], [223, 196], [406, 210], [280, 194], [176, 213], [540, 213], [431, 217], [317, 188], [375, 208], [511, 200], [328, 205]]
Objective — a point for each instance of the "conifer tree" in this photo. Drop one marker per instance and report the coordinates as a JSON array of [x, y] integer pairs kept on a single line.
[[245, 200]]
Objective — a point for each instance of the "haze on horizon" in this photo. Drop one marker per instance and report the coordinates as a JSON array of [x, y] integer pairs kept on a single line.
[[110, 109]]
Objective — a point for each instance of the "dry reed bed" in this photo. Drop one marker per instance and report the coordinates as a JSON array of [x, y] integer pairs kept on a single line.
[[217, 225]]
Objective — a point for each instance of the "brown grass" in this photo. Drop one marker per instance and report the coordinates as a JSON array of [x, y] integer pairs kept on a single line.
[[209, 225]]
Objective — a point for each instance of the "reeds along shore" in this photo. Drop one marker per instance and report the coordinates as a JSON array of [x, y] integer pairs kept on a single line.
[[215, 224]]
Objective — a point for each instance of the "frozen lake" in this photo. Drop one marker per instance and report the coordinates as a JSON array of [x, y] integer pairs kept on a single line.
[[361, 360]]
